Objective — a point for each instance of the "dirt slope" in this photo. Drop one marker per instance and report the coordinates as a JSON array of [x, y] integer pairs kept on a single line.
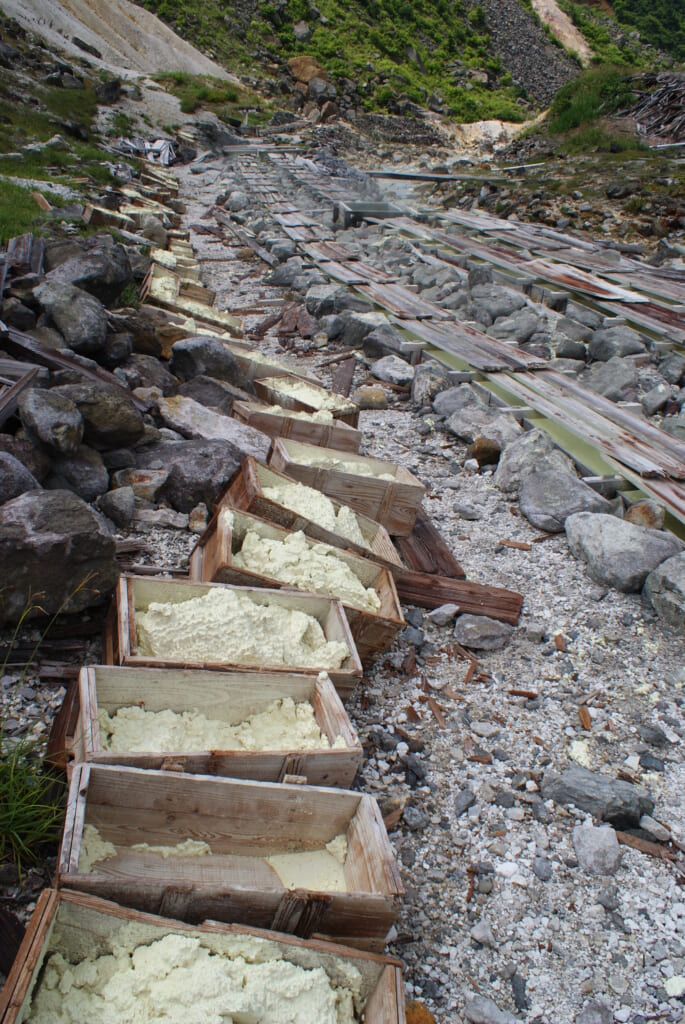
[[129, 38]]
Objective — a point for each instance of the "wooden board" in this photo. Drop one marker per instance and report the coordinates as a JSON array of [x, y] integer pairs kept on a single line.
[[245, 493], [225, 696], [425, 550], [134, 594], [71, 923], [212, 560], [335, 435], [243, 822], [268, 390], [393, 503], [429, 591]]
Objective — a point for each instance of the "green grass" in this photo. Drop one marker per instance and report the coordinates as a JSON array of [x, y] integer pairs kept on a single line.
[[31, 802], [19, 211], [609, 44], [228, 101], [659, 22], [594, 94], [594, 138]]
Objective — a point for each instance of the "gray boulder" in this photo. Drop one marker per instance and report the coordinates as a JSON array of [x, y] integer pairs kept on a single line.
[[675, 425], [618, 554], [111, 419], [193, 420], [80, 317], [152, 228], [82, 472], [482, 633], [383, 340], [519, 327], [481, 1010], [15, 478], [615, 379], [673, 368], [56, 552], [118, 505], [474, 422], [614, 341], [547, 499], [102, 268], [619, 803], [656, 398], [497, 300], [597, 849], [51, 419], [430, 379], [207, 357], [393, 370], [665, 590], [34, 459], [595, 1012], [324, 299], [532, 452], [197, 470], [215, 394], [144, 371], [357, 326]]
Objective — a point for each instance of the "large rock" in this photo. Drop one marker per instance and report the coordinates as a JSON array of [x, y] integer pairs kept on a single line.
[[111, 420], [324, 299], [597, 849], [15, 478], [392, 370], [665, 590], [612, 800], [357, 326], [615, 379], [82, 472], [34, 459], [102, 268], [519, 327], [615, 341], [547, 499], [51, 419], [482, 633], [474, 422], [197, 421], [532, 452], [618, 554], [197, 470], [496, 300], [80, 317], [430, 379], [673, 368], [54, 552], [207, 357], [144, 371], [675, 425], [215, 394]]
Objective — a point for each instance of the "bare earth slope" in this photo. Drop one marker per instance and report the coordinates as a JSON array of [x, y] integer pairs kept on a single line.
[[128, 37]]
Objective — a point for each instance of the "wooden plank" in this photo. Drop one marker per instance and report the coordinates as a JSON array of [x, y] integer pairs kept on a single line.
[[429, 591], [343, 377], [336, 435], [12, 934], [425, 550]]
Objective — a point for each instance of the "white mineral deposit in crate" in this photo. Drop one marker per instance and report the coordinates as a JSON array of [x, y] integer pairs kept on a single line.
[[343, 466], [227, 626], [322, 416], [179, 980], [283, 725], [309, 394], [318, 567], [319, 870], [317, 507], [93, 849]]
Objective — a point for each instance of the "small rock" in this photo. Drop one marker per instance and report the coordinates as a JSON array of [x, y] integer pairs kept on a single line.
[[370, 397], [393, 370], [481, 1010], [675, 986], [542, 868], [610, 342], [51, 419], [533, 452], [443, 615], [597, 849], [595, 1012], [482, 633], [463, 801], [15, 478], [482, 934], [651, 763], [118, 505], [646, 513], [414, 818], [655, 829]]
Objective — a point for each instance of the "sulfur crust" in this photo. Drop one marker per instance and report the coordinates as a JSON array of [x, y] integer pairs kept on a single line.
[[93, 849], [343, 466], [317, 507], [310, 395], [321, 416], [283, 725], [227, 626], [317, 567], [180, 981]]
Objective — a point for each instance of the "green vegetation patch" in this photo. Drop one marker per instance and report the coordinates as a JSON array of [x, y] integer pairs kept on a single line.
[[19, 211], [596, 93], [227, 100], [659, 22]]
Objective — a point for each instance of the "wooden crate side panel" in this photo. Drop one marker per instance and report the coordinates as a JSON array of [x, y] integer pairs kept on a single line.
[[386, 1004], [338, 436], [28, 961]]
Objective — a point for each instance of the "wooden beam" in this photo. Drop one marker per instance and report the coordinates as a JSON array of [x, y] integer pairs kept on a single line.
[[430, 591]]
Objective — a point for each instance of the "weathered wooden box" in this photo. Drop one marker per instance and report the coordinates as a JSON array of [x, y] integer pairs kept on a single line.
[[229, 697], [212, 561], [394, 503], [243, 823], [268, 390], [134, 594], [254, 363], [336, 435], [77, 925], [245, 492]]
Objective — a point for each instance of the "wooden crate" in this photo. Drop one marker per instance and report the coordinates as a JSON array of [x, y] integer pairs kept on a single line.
[[229, 697], [267, 389], [243, 822], [336, 435], [134, 594], [393, 503], [254, 363], [212, 561], [245, 492], [77, 925]]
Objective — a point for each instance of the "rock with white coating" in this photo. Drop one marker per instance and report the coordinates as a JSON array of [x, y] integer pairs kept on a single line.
[[597, 849], [483, 934]]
